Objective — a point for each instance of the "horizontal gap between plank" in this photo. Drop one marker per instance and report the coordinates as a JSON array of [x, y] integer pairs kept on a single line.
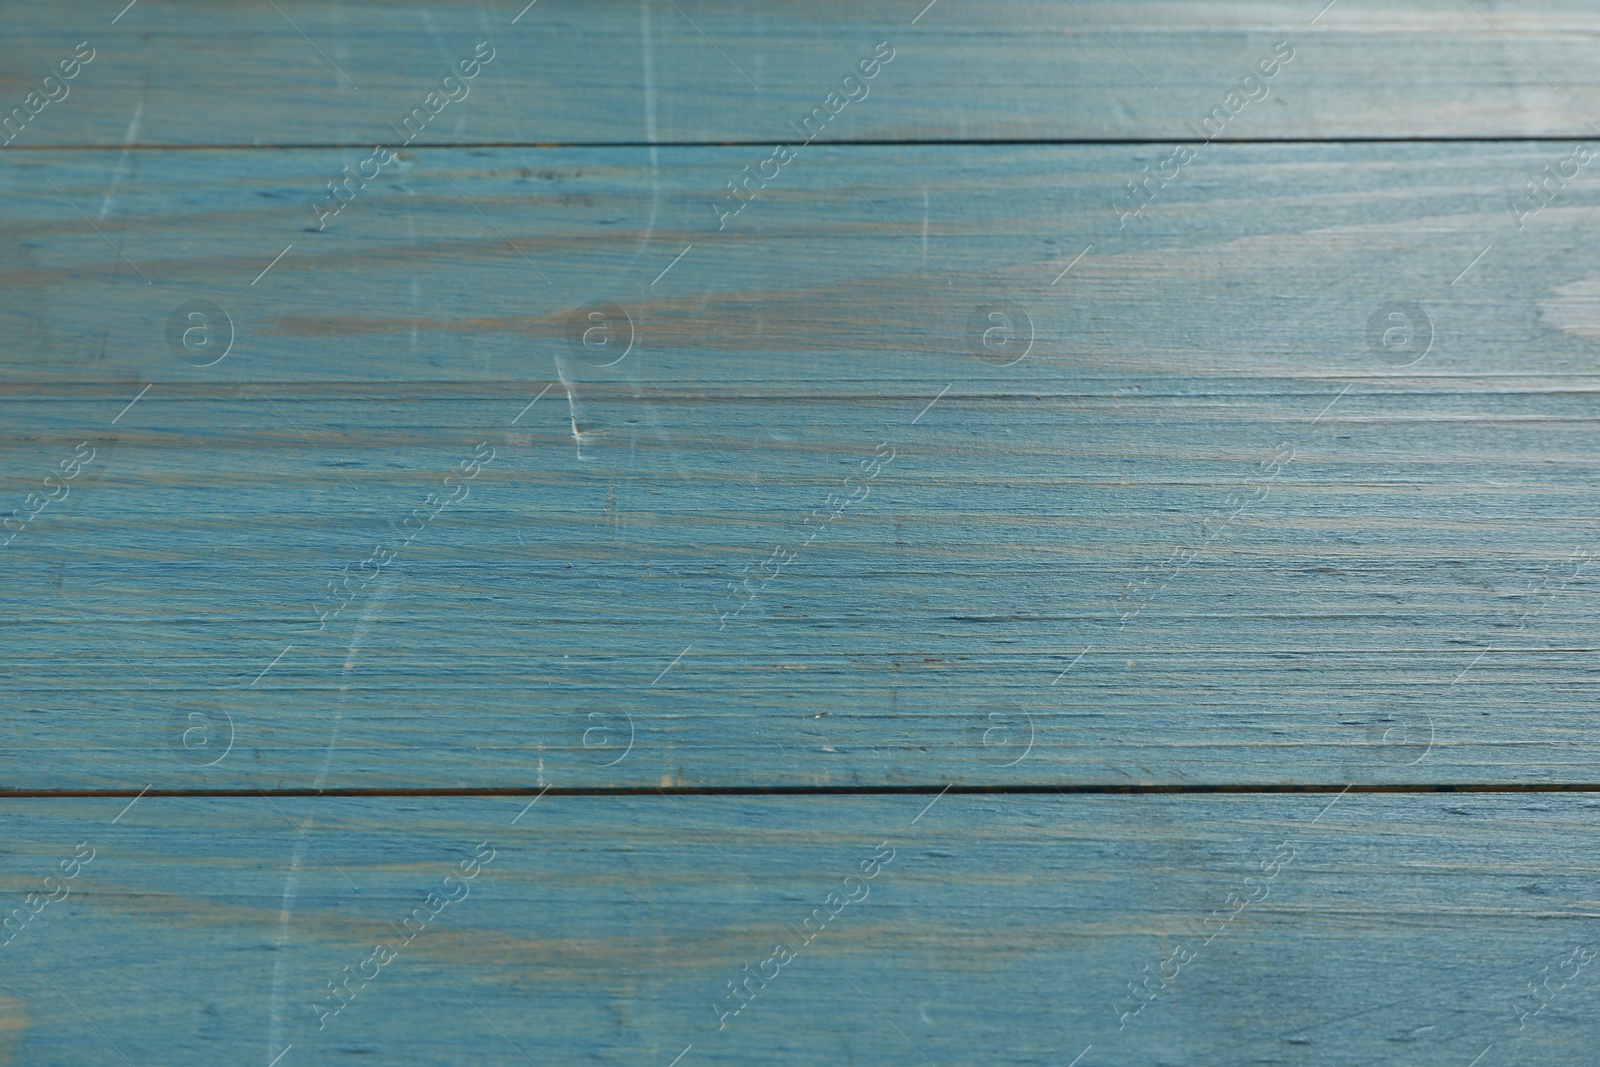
[[930, 789], [763, 143]]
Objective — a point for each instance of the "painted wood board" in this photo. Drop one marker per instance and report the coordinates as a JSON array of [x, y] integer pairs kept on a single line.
[[1280, 477], [1210, 529], [999, 930], [301, 72]]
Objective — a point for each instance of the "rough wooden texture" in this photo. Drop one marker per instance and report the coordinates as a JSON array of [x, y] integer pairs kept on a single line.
[[305, 72], [1330, 631], [1002, 931], [1137, 455]]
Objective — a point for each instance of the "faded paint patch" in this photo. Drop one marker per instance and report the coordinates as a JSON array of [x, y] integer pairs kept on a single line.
[[1574, 308]]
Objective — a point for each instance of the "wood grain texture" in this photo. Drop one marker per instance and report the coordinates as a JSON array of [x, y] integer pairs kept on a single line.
[[1394, 597], [1002, 930], [301, 72], [1066, 410]]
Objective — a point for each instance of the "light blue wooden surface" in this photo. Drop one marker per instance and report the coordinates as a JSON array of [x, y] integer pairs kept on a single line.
[[1003, 930], [602, 71], [1380, 581], [903, 465]]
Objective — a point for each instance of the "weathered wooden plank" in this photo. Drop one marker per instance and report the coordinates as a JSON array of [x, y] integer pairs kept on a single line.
[[301, 72], [1282, 555], [994, 930], [1271, 467]]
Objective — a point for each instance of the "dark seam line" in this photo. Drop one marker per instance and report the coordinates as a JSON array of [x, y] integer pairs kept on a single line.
[[763, 143], [823, 790]]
